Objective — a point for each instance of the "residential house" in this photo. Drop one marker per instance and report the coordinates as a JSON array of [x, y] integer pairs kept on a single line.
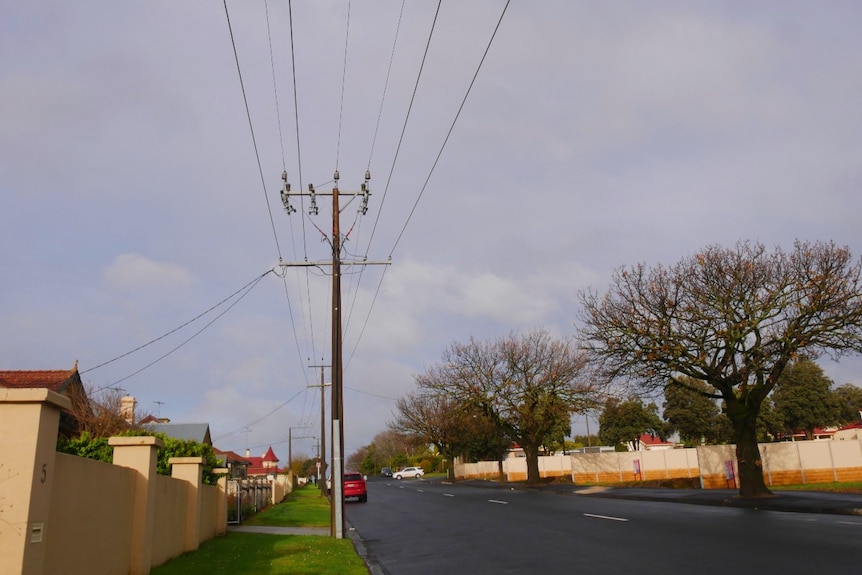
[[236, 464], [649, 442], [63, 381], [852, 431], [266, 466]]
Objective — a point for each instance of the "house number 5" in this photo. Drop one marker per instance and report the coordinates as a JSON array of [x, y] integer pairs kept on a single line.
[[44, 475]]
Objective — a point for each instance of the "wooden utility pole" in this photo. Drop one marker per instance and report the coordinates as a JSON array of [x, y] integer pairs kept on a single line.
[[337, 508], [336, 405], [321, 449]]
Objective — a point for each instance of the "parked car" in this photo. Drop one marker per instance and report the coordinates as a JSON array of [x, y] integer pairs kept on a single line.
[[386, 472], [416, 472], [354, 486]]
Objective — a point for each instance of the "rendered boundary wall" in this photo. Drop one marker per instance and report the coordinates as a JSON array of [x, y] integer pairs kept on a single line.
[[634, 466], [63, 514], [515, 468], [791, 463]]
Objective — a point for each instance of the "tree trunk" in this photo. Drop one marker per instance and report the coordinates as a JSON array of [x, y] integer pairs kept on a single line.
[[751, 483], [532, 454]]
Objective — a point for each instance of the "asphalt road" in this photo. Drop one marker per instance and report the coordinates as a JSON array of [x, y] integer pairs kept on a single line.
[[424, 527]]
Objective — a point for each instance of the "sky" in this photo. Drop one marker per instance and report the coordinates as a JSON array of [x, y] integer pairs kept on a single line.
[[142, 145]]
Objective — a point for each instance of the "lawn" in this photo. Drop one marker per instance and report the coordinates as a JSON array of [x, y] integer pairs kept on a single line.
[[302, 508], [255, 554]]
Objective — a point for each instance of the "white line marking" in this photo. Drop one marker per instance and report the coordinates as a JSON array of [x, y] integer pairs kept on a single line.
[[608, 517], [448, 495], [421, 490], [498, 501]]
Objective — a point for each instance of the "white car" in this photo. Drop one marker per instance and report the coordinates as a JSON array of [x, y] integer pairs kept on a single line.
[[409, 472]]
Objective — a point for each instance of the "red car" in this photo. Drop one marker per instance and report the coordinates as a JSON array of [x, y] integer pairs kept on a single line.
[[354, 486]]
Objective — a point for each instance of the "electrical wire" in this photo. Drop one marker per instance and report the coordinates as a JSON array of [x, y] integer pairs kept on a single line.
[[194, 319], [197, 333], [386, 84], [343, 84], [251, 130], [394, 159], [431, 171], [296, 120], [259, 419], [451, 127], [404, 126]]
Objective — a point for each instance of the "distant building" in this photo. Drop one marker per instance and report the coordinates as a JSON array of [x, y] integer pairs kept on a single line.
[[852, 431], [266, 466], [649, 442], [236, 464]]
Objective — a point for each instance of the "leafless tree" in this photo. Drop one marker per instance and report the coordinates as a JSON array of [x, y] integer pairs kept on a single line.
[[733, 318], [528, 385]]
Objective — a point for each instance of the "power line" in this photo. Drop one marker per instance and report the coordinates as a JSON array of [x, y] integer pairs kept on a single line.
[[197, 317], [428, 178], [251, 129], [394, 161], [404, 126], [259, 419], [451, 127], [343, 82], [386, 84], [197, 333]]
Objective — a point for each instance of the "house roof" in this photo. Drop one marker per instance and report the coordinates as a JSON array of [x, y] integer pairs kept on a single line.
[[270, 455], [199, 432], [259, 464], [854, 425], [54, 379], [65, 381], [231, 457]]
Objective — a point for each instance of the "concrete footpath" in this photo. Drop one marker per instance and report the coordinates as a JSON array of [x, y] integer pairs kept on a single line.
[[790, 501], [272, 530]]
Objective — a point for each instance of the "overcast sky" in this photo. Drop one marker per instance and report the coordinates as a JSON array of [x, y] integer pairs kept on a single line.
[[135, 195]]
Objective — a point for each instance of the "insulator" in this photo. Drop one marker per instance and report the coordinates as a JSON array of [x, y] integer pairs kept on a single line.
[[284, 176], [311, 188], [335, 176], [367, 175]]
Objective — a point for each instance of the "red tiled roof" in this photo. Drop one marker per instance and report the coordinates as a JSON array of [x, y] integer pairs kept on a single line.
[[649, 439], [55, 380], [856, 425], [270, 455]]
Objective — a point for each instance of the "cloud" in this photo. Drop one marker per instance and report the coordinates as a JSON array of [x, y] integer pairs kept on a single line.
[[137, 272]]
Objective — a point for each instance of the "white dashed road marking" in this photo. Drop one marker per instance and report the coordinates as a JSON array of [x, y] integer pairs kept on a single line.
[[608, 517]]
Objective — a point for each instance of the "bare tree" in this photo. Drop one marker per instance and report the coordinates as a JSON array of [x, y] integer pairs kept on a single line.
[[527, 385], [733, 318], [454, 429], [101, 413]]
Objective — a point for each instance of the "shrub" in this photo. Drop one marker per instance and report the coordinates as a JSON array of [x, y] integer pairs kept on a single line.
[[85, 445]]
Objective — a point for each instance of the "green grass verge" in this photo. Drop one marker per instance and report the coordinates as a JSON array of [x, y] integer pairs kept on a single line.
[[847, 487], [254, 554], [302, 508]]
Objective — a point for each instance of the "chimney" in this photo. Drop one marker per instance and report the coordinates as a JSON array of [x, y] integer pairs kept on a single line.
[[127, 408], [247, 452]]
